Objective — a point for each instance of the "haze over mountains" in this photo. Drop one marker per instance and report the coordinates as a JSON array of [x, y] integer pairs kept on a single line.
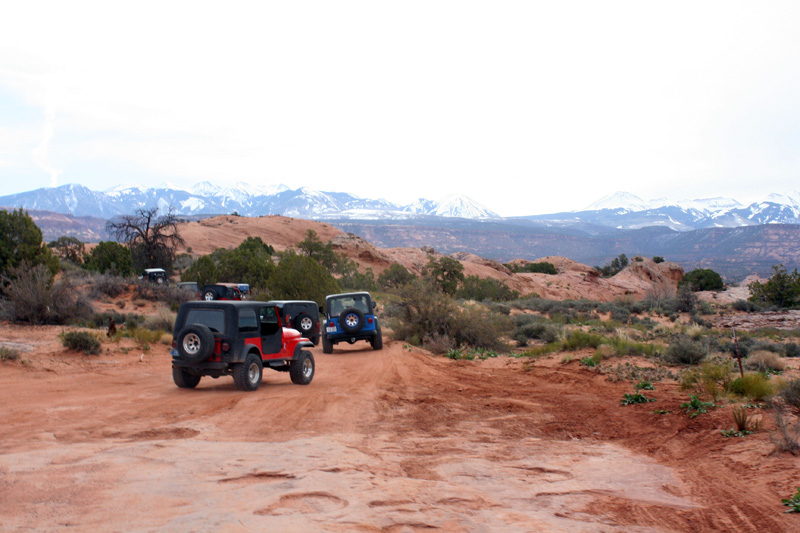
[[618, 210]]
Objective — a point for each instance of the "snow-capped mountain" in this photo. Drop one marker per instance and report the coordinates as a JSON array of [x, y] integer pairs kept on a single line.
[[619, 210], [206, 198], [622, 210]]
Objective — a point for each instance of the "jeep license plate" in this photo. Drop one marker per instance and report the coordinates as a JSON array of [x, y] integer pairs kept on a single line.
[[331, 329]]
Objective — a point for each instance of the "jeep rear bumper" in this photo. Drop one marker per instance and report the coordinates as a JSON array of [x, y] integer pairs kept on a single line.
[[335, 338]]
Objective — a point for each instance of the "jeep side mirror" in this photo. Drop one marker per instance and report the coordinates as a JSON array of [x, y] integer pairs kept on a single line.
[[374, 305]]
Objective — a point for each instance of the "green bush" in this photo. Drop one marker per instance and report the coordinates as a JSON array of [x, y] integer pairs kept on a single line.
[[482, 289], [110, 257], [753, 386], [684, 351], [81, 341], [782, 289], [427, 313], [578, 339], [395, 277], [703, 279], [541, 267]]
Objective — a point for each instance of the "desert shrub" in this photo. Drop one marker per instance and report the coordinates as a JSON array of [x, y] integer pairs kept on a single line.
[[144, 337], [613, 267], [109, 284], [578, 339], [424, 311], [791, 349], [764, 361], [537, 329], [475, 288], [438, 343], [782, 289], [164, 321], [685, 300], [711, 377], [31, 296], [744, 305], [80, 341], [753, 386], [790, 394], [542, 267], [110, 257], [701, 322], [703, 279], [622, 347], [477, 327], [300, 277], [786, 436], [8, 354], [658, 259], [620, 314], [101, 320], [169, 294], [395, 276], [685, 351]]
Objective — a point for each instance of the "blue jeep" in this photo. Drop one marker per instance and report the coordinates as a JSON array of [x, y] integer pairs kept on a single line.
[[350, 317]]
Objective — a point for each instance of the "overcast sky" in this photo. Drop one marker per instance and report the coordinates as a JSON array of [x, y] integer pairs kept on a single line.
[[527, 107]]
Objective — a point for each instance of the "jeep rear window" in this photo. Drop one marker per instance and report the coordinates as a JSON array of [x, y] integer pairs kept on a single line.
[[214, 319]]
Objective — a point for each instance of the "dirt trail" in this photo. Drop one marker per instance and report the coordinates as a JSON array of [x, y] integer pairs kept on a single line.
[[394, 440]]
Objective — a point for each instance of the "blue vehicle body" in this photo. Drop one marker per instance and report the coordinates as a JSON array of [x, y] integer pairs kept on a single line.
[[350, 317]]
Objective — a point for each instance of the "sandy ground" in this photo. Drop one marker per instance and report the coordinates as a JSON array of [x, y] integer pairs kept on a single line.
[[394, 440]]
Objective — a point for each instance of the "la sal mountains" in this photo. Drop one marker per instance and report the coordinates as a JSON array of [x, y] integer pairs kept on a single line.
[[721, 233]]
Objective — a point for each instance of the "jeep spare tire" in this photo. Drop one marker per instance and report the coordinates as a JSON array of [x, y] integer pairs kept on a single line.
[[351, 320], [195, 343], [209, 295], [303, 323]]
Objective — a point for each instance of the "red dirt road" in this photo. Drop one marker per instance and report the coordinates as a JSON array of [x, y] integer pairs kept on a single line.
[[394, 440]]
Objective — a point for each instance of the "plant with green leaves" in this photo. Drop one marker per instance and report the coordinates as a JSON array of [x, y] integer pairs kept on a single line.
[[782, 289], [630, 399], [695, 406], [793, 503], [644, 385]]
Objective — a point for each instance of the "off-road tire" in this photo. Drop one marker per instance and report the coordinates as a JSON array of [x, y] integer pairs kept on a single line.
[[160, 280], [301, 370], [351, 320], [209, 295], [183, 379], [327, 346], [247, 375], [195, 343], [304, 324], [377, 341]]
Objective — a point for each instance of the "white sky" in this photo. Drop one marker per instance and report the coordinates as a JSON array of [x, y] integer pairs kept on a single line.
[[527, 107]]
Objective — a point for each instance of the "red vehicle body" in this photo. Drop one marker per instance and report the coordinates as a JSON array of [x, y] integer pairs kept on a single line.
[[216, 338]]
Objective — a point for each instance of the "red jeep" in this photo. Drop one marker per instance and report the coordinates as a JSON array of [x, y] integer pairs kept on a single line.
[[238, 339]]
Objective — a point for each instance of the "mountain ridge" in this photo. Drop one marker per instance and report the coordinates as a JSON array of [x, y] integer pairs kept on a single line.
[[619, 210]]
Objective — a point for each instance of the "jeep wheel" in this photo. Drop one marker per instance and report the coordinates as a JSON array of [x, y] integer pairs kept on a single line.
[[247, 375], [377, 341], [209, 295], [160, 280], [327, 346], [351, 320], [301, 370], [183, 379], [304, 324], [195, 343]]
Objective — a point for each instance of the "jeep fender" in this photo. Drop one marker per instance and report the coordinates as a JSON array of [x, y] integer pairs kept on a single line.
[[248, 348], [300, 345]]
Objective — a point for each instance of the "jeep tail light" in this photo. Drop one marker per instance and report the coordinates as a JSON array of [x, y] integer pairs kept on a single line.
[[226, 346], [369, 320]]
